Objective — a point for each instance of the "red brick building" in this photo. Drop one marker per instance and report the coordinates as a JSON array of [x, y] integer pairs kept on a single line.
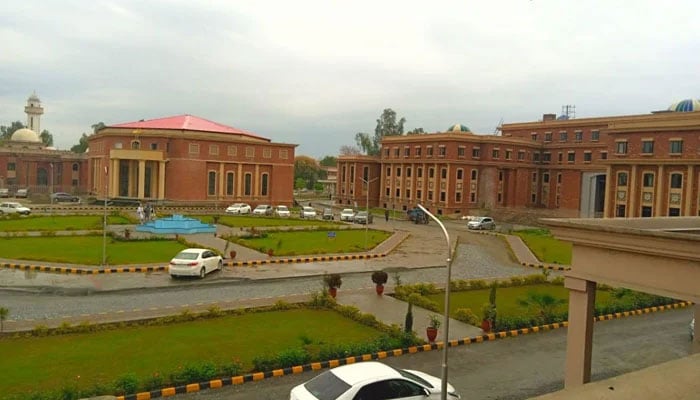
[[620, 166], [189, 159]]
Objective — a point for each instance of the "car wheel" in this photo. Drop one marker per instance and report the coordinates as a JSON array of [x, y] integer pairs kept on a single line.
[[173, 277], [221, 265], [202, 272]]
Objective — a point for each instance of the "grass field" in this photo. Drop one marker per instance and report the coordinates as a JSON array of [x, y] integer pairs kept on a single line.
[[545, 247], [48, 363], [315, 242], [88, 250], [59, 223]]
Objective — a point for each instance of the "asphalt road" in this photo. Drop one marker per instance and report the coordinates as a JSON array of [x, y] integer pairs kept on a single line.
[[518, 368]]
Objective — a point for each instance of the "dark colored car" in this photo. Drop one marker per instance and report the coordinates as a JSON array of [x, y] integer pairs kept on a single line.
[[417, 216], [61, 197]]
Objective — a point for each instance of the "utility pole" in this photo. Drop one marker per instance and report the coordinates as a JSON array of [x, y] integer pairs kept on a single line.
[[367, 182]]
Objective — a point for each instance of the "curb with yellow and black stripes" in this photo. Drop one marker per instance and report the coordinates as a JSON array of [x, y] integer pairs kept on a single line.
[[545, 266], [257, 376], [291, 260]]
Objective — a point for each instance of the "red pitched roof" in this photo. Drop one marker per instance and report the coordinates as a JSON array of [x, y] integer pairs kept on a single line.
[[186, 122]]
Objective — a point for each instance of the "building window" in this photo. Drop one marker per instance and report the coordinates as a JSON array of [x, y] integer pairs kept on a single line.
[[386, 152], [284, 154], [352, 174], [533, 198], [229, 183], [211, 183], [495, 153], [675, 147], [595, 136], [536, 157], [194, 148], [676, 181], [408, 172], [621, 147], [248, 184], [365, 173], [418, 151], [563, 136], [75, 166], [263, 184], [648, 180], [622, 179], [11, 166], [521, 155], [233, 150], [460, 173], [458, 197], [388, 171], [419, 194], [603, 155], [509, 154], [267, 153], [534, 176], [135, 145], [558, 178], [476, 152], [431, 172], [154, 146], [548, 136], [545, 177], [560, 156], [578, 136], [74, 182], [474, 174], [533, 136], [406, 151], [472, 197], [419, 172], [443, 173], [587, 156], [396, 152], [620, 210], [646, 211], [442, 197], [398, 172], [430, 195], [647, 147], [571, 157], [547, 157], [500, 176], [461, 151], [429, 151], [118, 145], [442, 151], [674, 212], [388, 192], [214, 149], [250, 151]]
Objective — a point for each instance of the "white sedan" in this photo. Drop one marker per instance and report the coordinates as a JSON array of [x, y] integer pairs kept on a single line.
[[282, 211], [371, 380], [238, 208], [307, 212], [12, 207], [195, 262], [347, 215], [263, 209]]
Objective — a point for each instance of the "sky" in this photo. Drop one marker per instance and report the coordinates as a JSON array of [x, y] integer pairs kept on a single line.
[[315, 73]]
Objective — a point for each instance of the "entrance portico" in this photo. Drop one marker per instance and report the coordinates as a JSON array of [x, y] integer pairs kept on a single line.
[[651, 255], [137, 173]]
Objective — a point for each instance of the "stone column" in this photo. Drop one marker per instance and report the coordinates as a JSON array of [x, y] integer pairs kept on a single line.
[[579, 339], [142, 179], [690, 178], [161, 180], [114, 187], [256, 181], [632, 193], [609, 197], [222, 181], [659, 200], [239, 181]]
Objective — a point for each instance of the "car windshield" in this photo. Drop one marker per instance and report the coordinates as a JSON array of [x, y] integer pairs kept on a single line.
[[282, 208], [308, 209], [261, 207], [327, 386], [187, 255], [362, 213], [409, 375], [347, 211]]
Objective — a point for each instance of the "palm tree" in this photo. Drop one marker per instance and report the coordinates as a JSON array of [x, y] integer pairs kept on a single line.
[[4, 312], [544, 305]]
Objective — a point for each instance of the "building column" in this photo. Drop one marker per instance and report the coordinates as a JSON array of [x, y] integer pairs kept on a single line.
[[659, 198], [222, 182], [609, 197], [256, 181], [161, 180], [114, 187], [689, 191], [239, 181], [579, 338], [632, 193], [142, 179]]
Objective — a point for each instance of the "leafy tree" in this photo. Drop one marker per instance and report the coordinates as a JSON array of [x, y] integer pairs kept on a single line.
[[82, 145], [308, 169], [416, 131], [4, 313], [543, 304], [96, 127], [46, 138], [7, 131], [346, 150], [329, 161], [299, 183], [386, 126]]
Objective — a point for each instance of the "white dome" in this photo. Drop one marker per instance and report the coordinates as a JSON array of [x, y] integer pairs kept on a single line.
[[25, 135]]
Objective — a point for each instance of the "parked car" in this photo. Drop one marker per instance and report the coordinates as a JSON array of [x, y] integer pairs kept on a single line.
[[371, 380], [327, 214], [363, 217], [481, 223], [347, 215], [307, 212], [61, 197], [263, 209], [282, 211], [238, 208], [195, 262], [4, 192], [418, 216], [22, 193], [12, 207]]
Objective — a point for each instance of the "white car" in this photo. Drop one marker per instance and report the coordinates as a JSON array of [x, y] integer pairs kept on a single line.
[[371, 380], [238, 208], [307, 212], [282, 211], [263, 209], [12, 207], [481, 223], [195, 262], [347, 215]]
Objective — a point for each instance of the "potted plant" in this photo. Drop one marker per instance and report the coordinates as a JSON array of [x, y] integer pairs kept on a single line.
[[489, 315], [433, 326], [332, 282], [379, 278]]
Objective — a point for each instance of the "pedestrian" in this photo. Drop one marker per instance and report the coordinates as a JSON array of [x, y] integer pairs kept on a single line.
[[139, 212], [147, 212], [386, 215]]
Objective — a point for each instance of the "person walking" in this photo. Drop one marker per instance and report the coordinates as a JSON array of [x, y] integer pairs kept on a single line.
[[386, 215], [139, 213]]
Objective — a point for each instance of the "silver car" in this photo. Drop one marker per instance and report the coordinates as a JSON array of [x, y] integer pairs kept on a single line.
[[481, 223]]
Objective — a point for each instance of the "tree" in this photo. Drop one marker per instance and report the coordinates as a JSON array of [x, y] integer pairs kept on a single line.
[[4, 313], [543, 304], [346, 150], [46, 138], [329, 161], [7, 131], [307, 169], [299, 183], [96, 127], [386, 126], [82, 145]]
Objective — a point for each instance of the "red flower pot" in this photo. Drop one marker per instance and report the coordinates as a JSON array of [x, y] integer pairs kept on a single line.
[[486, 325], [333, 292], [380, 289], [432, 333], [232, 254]]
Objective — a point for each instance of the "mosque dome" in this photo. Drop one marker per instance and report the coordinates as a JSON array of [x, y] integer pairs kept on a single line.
[[33, 98], [459, 128], [25, 135], [686, 105]]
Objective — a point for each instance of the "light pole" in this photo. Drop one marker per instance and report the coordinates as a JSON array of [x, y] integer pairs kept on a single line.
[[446, 317], [367, 182], [51, 189], [104, 220]]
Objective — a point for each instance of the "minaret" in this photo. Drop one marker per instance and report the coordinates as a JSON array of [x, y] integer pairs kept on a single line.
[[34, 111]]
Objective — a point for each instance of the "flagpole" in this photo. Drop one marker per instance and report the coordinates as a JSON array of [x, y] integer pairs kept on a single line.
[[104, 220]]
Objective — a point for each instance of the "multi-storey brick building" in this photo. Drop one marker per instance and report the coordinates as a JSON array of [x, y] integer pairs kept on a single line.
[[186, 158], [620, 166]]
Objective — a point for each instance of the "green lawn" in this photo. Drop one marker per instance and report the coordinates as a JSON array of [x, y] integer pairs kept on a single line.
[[49, 363], [315, 242], [241, 221], [545, 247], [59, 223], [88, 250]]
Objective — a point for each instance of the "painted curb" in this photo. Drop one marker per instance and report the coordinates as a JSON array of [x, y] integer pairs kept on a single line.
[[544, 266], [257, 376]]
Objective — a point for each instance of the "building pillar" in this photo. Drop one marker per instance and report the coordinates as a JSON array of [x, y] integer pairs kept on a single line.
[[239, 181], [579, 339], [659, 198], [161, 180], [687, 212], [609, 197], [632, 193], [142, 179], [222, 176], [256, 181], [114, 187]]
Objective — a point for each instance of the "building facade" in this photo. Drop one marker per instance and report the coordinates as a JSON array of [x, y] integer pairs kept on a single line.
[[27, 163], [621, 166], [189, 159]]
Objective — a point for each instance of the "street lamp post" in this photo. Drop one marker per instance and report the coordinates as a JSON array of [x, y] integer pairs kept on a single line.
[[446, 317], [367, 182], [104, 220]]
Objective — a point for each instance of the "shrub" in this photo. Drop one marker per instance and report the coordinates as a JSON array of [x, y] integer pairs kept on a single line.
[[466, 315], [478, 284], [379, 277], [196, 372], [332, 280], [126, 384], [517, 281], [292, 356], [535, 279]]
